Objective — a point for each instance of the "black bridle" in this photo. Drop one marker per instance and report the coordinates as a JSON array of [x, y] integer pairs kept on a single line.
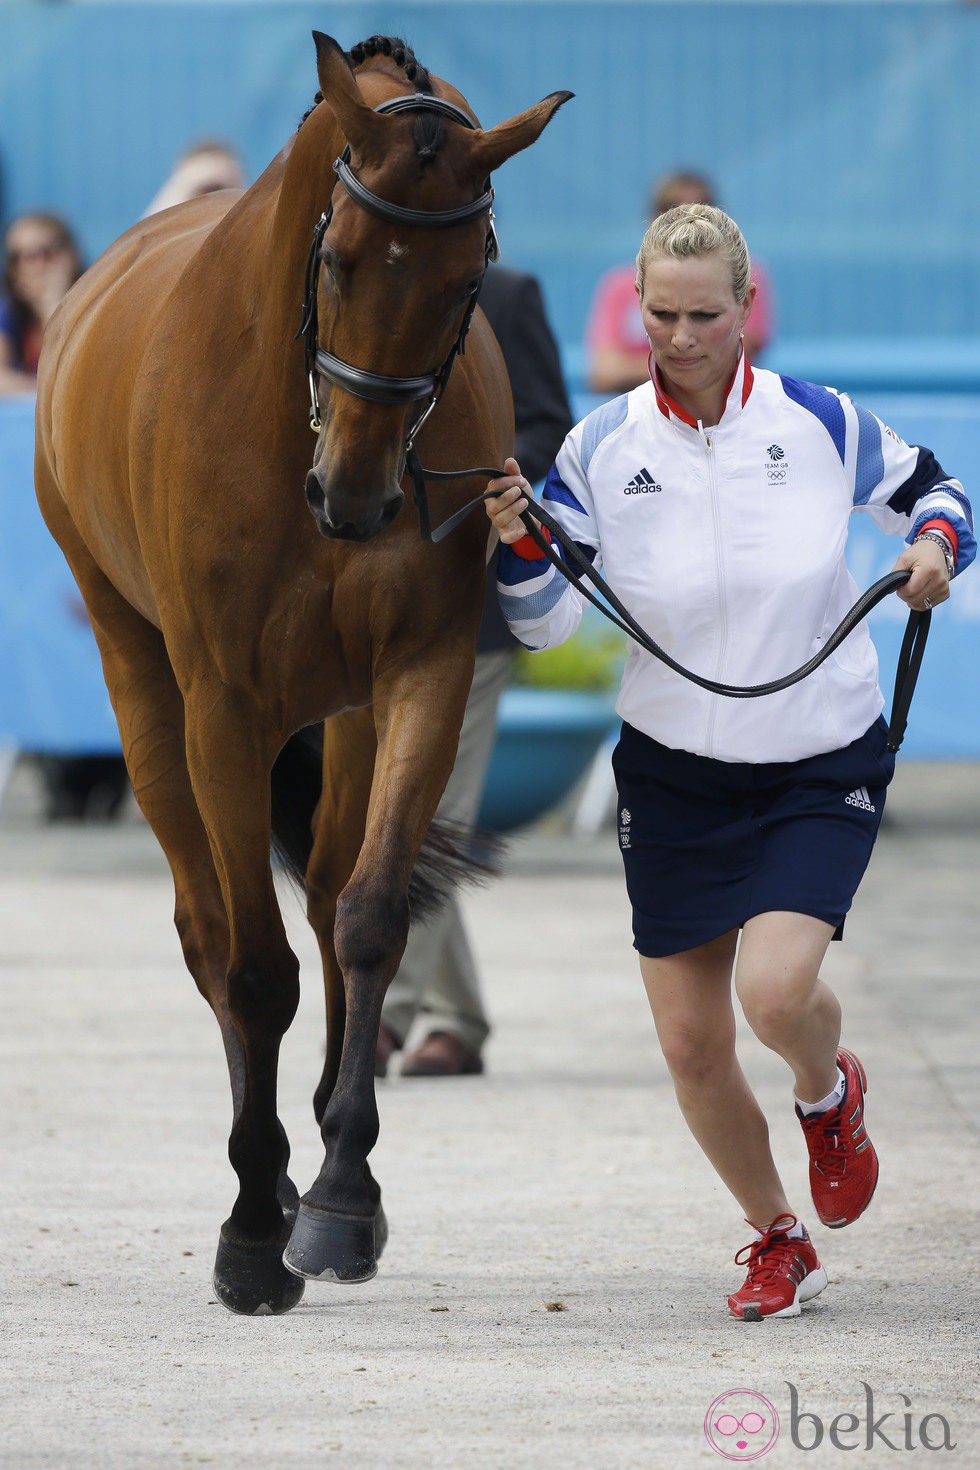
[[382, 388]]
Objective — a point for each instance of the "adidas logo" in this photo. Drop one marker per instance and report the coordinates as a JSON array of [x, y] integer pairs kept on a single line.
[[861, 799], [642, 484]]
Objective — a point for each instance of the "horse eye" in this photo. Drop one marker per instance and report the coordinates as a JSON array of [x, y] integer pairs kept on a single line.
[[328, 260]]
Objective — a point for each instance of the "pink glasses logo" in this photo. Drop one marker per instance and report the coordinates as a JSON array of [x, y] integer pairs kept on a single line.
[[741, 1425]]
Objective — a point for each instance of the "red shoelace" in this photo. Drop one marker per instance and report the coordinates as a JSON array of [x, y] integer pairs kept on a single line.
[[823, 1138], [769, 1257]]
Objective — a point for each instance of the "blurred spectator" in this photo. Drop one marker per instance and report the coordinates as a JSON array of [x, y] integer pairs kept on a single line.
[[204, 167], [616, 344], [41, 260]]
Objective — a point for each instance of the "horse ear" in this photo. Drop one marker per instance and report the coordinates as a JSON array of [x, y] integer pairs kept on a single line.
[[496, 145], [360, 123]]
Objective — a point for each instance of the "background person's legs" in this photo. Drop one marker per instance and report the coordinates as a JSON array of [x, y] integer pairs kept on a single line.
[[437, 978]]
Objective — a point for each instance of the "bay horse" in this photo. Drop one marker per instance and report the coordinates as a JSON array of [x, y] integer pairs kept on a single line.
[[233, 610]]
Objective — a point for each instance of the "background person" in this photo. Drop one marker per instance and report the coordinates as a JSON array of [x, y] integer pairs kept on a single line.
[[745, 825], [204, 167], [41, 261], [617, 348], [437, 982]]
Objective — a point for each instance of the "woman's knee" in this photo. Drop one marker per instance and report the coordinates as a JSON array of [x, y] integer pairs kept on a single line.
[[695, 1056], [777, 974], [776, 1005], [690, 998]]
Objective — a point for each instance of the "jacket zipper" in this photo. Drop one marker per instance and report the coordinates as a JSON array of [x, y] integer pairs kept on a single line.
[[720, 571]]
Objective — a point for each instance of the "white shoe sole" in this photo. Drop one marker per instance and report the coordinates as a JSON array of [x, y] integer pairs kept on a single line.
[[811, 1286]]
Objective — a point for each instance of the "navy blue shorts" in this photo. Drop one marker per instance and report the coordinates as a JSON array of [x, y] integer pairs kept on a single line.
[[708, 844]]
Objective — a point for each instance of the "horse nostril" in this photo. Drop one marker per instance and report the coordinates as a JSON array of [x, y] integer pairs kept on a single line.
[[390, 510], [315, 498]]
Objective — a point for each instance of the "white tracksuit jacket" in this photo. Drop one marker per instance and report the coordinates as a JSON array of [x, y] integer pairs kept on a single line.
[[727, 546]]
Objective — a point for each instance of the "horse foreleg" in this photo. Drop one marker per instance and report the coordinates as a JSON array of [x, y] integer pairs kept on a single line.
[[349, 750], [150, 713], [340, 1227], [261, 987]]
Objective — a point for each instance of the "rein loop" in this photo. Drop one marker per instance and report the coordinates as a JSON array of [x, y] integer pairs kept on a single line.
[[909, 662], [536, 517]]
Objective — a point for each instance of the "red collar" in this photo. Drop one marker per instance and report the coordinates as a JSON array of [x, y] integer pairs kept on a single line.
[[737, 392]]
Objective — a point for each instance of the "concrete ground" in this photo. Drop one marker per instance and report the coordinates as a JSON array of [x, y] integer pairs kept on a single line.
[[553, 1294]]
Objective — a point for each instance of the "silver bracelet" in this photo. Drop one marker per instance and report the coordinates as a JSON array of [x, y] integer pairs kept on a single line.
[[940, 541]]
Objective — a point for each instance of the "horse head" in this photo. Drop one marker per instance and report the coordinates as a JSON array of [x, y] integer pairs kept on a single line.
[[395, 267]]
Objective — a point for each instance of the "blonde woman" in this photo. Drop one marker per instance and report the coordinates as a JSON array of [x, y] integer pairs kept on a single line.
[[716, 498]]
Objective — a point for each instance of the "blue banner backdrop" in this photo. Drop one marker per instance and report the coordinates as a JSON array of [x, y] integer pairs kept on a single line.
[[52, 695]]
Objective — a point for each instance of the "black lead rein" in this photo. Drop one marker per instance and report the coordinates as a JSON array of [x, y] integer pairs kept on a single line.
[[381, 388], [535, 517]]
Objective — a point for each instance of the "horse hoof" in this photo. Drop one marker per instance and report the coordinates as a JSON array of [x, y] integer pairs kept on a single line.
[[325, 1246], [380, 1230], [249, 1277]]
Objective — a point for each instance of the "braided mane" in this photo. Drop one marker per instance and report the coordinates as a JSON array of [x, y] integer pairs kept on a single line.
[[428, 130]]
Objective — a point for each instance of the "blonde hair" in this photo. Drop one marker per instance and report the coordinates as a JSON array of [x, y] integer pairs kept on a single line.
[[696, 230]]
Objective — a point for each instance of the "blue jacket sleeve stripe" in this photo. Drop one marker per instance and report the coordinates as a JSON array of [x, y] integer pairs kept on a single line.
[[599, 424], [512, 569], [869, 470], [558, 492], [529, 606], [825, 406], [952, 505], [927, 475]]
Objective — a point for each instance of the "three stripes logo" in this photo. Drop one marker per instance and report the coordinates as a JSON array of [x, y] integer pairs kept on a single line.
[[642, 484], [860, 799]]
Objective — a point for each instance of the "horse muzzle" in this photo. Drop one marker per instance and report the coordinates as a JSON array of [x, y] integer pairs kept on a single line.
[[344, 517]]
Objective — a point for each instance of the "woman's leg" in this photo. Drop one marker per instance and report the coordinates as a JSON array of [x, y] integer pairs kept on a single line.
[[690, 997], [788, 1006], [792, 1011]]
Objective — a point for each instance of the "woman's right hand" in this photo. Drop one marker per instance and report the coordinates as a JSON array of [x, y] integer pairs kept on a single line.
[[511, 494]]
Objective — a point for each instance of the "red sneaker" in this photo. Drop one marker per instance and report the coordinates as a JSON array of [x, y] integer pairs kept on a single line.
[[783, 1273], [843, 1163]]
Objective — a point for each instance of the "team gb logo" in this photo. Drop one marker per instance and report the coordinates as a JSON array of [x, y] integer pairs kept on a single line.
[[777, 467]]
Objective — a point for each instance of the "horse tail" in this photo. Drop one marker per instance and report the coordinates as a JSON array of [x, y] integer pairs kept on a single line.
[[297, 781], [451, 856]]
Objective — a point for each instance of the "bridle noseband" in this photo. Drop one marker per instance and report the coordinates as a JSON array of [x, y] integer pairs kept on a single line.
[[380, 387]]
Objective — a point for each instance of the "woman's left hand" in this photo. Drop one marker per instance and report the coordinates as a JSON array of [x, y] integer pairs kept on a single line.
[[929, 583]]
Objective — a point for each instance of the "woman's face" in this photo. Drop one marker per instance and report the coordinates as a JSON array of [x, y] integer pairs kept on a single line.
[[35, 254], [694, 322]]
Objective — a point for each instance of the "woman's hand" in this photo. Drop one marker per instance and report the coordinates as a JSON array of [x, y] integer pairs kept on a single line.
[[512, 494], [929, 582]]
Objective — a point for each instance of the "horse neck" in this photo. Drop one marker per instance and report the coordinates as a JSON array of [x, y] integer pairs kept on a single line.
[[302, 195]]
